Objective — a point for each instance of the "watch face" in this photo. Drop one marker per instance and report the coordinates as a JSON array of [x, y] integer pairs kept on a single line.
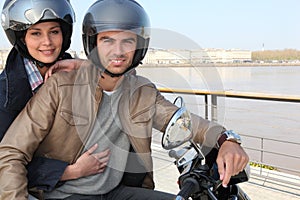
[[232, 136], [228, 135]]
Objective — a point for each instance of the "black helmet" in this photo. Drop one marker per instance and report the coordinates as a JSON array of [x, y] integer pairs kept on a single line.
[[110, 15], [19, 15]]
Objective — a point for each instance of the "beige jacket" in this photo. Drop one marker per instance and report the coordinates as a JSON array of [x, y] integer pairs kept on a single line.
[[58, 120]]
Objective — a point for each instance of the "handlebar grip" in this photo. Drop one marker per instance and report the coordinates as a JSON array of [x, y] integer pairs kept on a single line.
[[189, 186]]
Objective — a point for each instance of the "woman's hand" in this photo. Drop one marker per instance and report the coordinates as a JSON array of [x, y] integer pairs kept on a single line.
[[87, 164], [64, 65]]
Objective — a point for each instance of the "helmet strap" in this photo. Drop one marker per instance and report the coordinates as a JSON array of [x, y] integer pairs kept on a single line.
[[112, 74], [120, 74]]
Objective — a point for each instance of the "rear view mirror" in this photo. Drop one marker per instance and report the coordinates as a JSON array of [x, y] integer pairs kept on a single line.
[[178, 130]]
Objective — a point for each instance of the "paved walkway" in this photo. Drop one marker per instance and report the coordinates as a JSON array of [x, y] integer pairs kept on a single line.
[[256, 188]]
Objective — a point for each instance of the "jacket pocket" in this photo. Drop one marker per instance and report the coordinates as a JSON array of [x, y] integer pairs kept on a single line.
[[73, 118], [143, 116]]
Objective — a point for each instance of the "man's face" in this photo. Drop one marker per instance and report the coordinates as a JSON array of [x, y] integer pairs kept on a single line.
[[116, 50]]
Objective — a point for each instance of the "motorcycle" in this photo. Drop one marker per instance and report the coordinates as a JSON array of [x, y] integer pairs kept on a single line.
[[199, 177]]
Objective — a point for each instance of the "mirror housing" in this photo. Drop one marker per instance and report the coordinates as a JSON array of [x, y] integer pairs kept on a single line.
[[179, 129]]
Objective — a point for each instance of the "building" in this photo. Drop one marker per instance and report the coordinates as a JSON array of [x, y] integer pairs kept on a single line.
[[3, 56], [176, 56], [182, 57]]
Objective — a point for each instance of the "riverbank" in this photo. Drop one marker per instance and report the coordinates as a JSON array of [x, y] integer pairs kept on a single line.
[[222, 65], [149, 65]]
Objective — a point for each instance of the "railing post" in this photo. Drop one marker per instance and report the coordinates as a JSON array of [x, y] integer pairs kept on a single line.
[[214, 109], [206, 106], [261, 153]]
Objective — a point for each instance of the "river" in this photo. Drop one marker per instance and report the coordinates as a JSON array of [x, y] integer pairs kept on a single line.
[[273, 120]]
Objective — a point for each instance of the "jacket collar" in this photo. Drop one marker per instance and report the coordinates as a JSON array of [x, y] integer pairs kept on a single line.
[[18, 90]]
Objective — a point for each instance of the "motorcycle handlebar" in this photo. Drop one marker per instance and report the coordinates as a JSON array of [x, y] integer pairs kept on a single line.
[[189, 186]]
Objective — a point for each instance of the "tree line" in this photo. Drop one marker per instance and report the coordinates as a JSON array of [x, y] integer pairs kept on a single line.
[[280, 55]]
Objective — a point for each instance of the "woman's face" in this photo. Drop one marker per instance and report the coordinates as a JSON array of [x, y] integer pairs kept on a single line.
[[44, 41]]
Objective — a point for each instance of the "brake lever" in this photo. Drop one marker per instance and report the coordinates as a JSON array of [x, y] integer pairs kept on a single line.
[[217, 184]]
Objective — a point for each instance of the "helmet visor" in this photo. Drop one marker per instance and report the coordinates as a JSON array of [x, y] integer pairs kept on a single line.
[[100, 27], [19, 15]]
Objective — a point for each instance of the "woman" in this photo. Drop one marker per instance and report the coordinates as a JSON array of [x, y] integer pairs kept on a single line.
[[40, 32]]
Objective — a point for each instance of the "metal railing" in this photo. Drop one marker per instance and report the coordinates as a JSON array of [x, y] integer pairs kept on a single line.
[[269, 173], [229, 94], [260, 164]]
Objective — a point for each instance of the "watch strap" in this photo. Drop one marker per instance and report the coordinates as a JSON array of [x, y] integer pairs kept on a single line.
[[221, 140]]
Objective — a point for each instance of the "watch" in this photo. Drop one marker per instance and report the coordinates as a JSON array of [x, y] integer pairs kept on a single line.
[[229, 135]]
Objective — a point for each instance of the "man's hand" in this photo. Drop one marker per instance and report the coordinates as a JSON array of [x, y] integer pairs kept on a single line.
[[231, 160], [64, 65], [87, 164]]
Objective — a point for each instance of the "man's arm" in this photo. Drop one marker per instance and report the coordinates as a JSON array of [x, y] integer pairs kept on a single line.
[[22, 139], [231, 158]]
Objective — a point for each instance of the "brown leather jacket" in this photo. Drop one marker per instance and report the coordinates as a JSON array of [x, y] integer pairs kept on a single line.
[[58, 120]]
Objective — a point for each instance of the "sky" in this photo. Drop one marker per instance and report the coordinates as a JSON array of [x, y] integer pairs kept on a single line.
[[228, 24]]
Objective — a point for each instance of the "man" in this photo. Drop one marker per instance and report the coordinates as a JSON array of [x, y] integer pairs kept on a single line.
[[104, 104]]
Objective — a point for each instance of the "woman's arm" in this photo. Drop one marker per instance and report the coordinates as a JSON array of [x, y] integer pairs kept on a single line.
[[66, 65], [47, 174], [87, 164]]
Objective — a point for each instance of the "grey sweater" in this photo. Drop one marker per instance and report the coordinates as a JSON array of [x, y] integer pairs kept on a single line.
[[107, 132]]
